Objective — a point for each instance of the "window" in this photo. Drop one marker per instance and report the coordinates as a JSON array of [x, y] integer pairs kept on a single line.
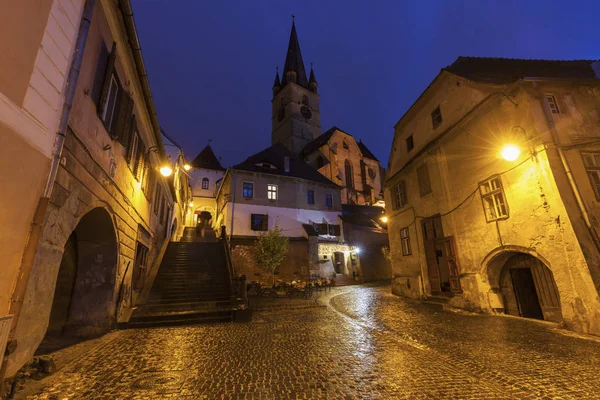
[[345, 145], [409, 143], [436, 117], [492, 195], [592, 166], [205, 183], [321, 228], [147, 178], [398, 196], [259, 222], [328, 200], [248, 190], [423, 178], [272, 192], [310, 196], [335, 230], [405, 241], [108, 112], [139, 266], [305, 100], [349, 174], [552, 104]]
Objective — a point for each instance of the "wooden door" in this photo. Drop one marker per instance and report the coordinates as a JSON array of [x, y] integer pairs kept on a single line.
[[432, 230], [527, 299], [452, 264]]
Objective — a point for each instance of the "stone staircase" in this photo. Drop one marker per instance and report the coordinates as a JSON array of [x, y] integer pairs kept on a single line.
[[343, 280], [192, 285]]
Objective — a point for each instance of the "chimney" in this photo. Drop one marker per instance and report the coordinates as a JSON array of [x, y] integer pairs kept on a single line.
[[286, 164]]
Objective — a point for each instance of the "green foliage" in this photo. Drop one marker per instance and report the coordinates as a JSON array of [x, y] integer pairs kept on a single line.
[[270, 250]]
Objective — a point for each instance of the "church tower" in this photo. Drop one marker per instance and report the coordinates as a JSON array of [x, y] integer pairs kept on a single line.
[[296, 118]]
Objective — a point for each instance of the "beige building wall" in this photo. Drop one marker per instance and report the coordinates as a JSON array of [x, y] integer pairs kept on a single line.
[[32, 82], [544, 220]]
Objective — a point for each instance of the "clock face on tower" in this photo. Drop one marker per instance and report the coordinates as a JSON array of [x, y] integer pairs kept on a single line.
[[306, 113]]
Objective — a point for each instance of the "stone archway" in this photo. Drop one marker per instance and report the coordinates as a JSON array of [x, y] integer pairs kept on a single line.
[[83, 304], [525, 284]]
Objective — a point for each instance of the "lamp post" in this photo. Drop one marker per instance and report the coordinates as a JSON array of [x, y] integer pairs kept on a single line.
[[164, 169]]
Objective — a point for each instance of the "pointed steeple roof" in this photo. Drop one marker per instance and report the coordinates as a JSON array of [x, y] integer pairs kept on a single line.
[[207, 160], [312, 75], [293, 60], [277, 83]]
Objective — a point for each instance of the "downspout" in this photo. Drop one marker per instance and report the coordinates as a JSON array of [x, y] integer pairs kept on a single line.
[[232, 205], [566, 167], [40, 212]]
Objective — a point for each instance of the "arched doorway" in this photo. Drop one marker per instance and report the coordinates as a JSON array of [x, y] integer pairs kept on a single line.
[[527, 286], [339, 262], [83, 304]]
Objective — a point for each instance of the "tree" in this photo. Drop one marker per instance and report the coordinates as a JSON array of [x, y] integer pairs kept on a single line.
[[270, 250]]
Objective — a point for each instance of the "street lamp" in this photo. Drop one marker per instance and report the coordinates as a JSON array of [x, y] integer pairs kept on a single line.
[[187, 167], [510, 152], [166, 169], [384, 219]]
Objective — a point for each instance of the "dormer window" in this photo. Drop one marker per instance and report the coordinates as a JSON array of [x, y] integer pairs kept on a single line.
[[345, 145]]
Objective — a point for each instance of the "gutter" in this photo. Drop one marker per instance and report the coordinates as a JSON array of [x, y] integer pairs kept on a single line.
[[134, 43]]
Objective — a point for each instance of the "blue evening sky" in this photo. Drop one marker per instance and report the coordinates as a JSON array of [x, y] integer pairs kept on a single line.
[[211, 64]]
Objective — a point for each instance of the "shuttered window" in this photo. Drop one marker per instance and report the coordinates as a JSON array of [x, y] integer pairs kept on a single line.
[[141, 160], [335, 230], [140, 266], [398, 196]]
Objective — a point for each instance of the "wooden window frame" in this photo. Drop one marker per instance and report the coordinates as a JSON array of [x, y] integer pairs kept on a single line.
[[207, 182], [552, 103], [592, 170], [272, 191], [250, 189], [399, 195], [310, 196], [263, 219], [494, 194], [405, 241]]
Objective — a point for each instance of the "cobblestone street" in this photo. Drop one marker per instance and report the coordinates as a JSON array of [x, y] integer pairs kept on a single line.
[[359, 343]]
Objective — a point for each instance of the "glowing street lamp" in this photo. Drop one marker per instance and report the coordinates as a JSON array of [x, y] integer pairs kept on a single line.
[[510, 152], [384, 219], [357, 250], [187, 167], [191, 204], [166, 170]]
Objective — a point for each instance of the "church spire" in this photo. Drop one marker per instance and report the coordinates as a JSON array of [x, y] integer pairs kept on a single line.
[[294, 65], [277, 83], [312, 82]]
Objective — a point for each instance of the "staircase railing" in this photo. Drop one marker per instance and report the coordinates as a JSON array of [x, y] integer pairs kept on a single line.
[[238, 284]]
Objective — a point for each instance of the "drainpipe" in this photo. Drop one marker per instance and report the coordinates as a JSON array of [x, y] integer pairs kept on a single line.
[[232, 205], [40, 212], [565, 163]]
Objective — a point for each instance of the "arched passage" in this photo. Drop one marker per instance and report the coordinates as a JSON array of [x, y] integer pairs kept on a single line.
[[83, 303], [526, 284]]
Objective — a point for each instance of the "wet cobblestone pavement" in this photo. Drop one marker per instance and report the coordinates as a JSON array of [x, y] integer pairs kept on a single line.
[[368, 344]]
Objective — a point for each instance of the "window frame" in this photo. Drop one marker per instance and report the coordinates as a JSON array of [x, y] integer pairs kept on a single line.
[[328, 200], [310, 196], [436, 117], [205, 180], [105, 109], [398, 193], [263, 220], [591, 170], [405, 241], [552, 103], [250, 190], [272, 191], [493, 195]]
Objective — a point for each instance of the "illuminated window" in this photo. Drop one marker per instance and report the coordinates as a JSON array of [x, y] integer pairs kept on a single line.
[[259, 222], [248, 190], [398, 196], [592, 166], [205, 183], [492, 196], [272, 192], [552, 104], [436, 117], [405, 241], [409, 143]]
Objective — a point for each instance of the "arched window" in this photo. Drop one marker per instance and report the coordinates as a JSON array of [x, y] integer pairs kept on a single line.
[[345, 144], [205, 183], [349, 174], [305, 100], [320, 162]]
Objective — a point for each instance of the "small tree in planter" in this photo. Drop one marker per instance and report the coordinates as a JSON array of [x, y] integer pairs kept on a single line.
[[270, 250]]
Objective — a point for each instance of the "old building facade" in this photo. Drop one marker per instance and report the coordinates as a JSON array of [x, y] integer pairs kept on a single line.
[[89, 206], [492, 190], [275, 186]]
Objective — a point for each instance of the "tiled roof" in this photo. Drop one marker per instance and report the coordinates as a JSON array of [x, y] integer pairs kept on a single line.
[[366, 152], [275, 156], [207, 160], [505, 70]]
